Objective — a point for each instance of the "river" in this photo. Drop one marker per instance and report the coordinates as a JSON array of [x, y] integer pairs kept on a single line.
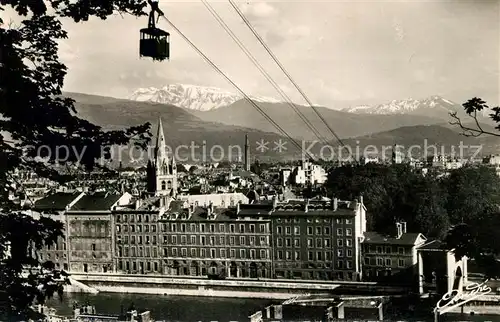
[[193, 309]]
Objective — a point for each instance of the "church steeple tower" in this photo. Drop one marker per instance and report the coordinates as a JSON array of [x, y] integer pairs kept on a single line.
[[162, 174], [161, 157]]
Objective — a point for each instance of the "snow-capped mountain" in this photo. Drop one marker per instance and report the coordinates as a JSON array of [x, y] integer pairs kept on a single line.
[[193, 97], [407, 106]]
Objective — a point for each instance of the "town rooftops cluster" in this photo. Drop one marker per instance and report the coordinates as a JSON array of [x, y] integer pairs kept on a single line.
[[191, 208]]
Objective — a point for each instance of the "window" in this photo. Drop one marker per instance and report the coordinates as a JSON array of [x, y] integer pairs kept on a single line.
[[318, 230], [340, 253], [349, 264], [348, 242], [309, 242], [163, 185], [340, 231], [319, 242], [223, 253], [279, 230], [231, 228], [212, 240], [252, 240], [174, 227], [203, 253], [202, 228], [328, 256], [212, 228], [243, 253], [184, 252], [183, 228], [203, 240], [348, 232], [348, 221], [296, 242], [401, 250], [288, 230], [93, 247], [231, 240], [327, 231], [340, 264], [262, 228], [252, 254], [222, 228], [192, 227], [263, 241], [296, 230], [242, 228], [183, 240], [388, 262], [117, 228], [193, 240], [340, 243], [212, 253], [297, 256], [338, 221], [388, 249], [280, 254], [367, 260], [401, 262], [349, 253], [288, 242], [380, 261], [262, 254], [232, 253], [280, 242], [288, 255], [319, 256], [174, 240], [242, 240], [309, 230], [222, 240], [310, 256], [327, 242], [252, 228], [379, 249]]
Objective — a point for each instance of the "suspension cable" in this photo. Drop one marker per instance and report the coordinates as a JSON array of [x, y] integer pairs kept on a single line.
[[217, 69], [252, 58], [276, 60]]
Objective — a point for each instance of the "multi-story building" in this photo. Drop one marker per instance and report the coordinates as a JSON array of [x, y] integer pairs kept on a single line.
[[137, 241], [391, 258], [200, 241], [90, 232], [318, 240]]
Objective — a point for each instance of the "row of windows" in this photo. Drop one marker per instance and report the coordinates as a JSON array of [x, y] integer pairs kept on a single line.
[[135, 218], [384, 249], [318, 230], [136, 228], [338, 221], [137, 252], [379, 261], [148, 267], [182, 227], [139, 239], [216, 253], [320, 242], [212, 240], [48, 256]]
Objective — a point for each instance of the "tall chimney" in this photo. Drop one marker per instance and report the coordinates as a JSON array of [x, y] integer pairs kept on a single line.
[[399, 230], [209, 212], [335, 204], [403, 227], [211, 206], [238, 208], [361, 199]]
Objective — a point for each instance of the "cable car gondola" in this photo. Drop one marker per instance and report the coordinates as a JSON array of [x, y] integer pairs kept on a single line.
[[154, 42]]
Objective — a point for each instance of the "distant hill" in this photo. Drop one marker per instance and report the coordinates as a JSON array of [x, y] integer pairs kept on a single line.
[[345, 124], [181, 127], [422, 137]]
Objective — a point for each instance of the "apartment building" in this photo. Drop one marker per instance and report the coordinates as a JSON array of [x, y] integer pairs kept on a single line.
[[391, 257]]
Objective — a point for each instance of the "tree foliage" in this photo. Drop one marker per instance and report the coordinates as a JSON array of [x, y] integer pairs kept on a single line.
[[461, 208], [474, 108], [34, 114]]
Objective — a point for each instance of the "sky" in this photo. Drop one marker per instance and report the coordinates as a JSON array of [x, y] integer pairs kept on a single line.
[[337, 51]]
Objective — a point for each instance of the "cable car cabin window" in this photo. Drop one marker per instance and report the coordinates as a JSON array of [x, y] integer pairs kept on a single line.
[[154, 43]]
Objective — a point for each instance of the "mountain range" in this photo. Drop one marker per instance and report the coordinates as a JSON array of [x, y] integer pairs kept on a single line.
[[215, 105], [227, 125]]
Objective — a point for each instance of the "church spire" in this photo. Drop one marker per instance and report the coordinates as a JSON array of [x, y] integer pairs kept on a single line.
[[161, 158]]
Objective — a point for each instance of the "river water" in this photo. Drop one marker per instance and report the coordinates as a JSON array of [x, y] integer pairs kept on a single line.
[[193, 309]]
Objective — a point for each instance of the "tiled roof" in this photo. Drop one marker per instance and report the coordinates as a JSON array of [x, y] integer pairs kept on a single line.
[[433, 245], [57, 201], [96, 201], [376, 238]]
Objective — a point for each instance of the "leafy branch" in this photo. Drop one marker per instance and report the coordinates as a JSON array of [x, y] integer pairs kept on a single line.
[[472, 107]]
